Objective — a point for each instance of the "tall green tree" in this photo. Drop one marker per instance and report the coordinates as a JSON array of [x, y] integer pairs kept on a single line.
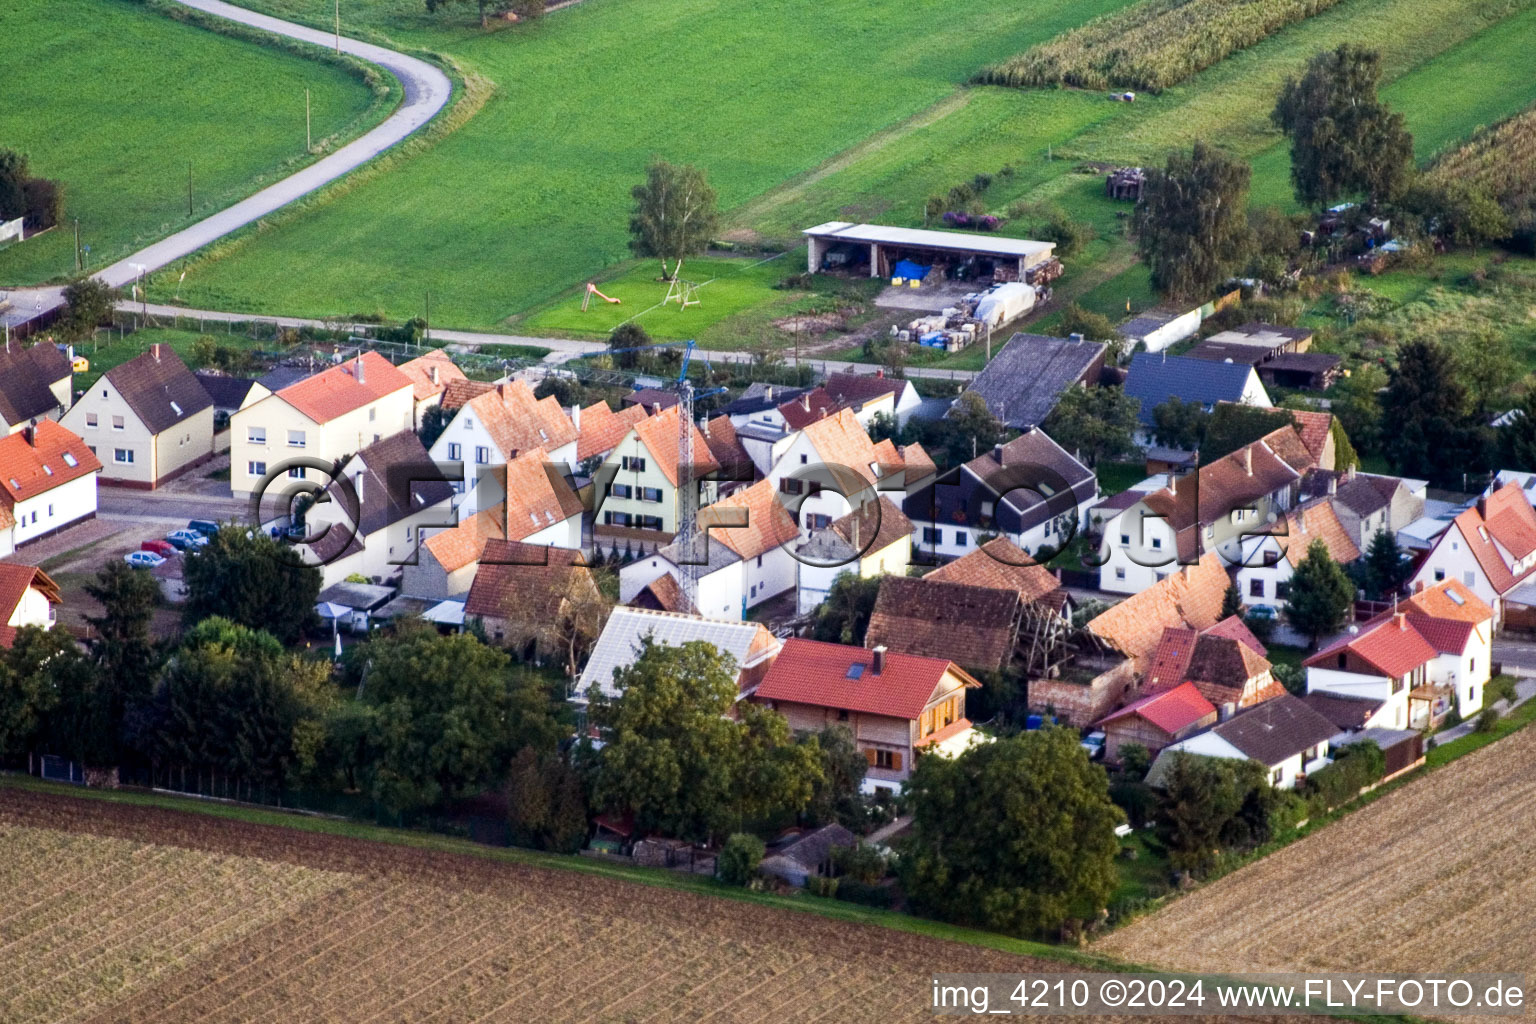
[[1209, 804], [546, 805], [87, 305], [1095, 422], [673, 757], [1092, 326], [232, 701], [1180, 424], [674, 215], [1321, 596], [445, 716], [843, 618], [1231, 602], [125, 653], [1428, 427], [78, 723], [486, 8], [623, 341], [13, 184], [1384, 568], [247, 577], [843, 766], [1344, 140], [1015, 836], [1356, 406], [1192, 222], [968, 429]]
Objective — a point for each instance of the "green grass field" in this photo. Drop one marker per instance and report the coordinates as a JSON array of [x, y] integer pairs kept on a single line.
[[726, 287], [531, 196], [115, 99]]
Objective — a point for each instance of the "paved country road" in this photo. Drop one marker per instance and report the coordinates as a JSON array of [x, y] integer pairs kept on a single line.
[[425, 88]]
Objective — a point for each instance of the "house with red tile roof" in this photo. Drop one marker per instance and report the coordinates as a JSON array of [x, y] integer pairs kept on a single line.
[[600, 429], [538, 508], [1156, 720], [1491, 550], [28, 597], [1428, 655], [1226, 663], [47, 482], [831, 466], [430, 375], [740, 558], [321, 420], [898, 706], [636, 488], [1268, 560], [496, 426]]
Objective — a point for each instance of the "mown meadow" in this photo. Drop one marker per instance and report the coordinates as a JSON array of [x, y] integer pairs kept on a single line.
[[116, 99]]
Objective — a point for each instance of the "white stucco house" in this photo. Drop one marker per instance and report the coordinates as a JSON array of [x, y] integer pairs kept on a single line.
[[1284, 734], [497, 425], [28, 597], [1490, 549], [47, 482]]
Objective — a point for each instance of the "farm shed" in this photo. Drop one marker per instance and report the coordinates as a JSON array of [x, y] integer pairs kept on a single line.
[[807, 855], [1312, 371], [1027, 377], [876, 250], [1156, 720]]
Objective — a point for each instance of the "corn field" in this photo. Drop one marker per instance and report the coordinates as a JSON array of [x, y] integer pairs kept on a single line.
[[1500, 160], [1151, 45]]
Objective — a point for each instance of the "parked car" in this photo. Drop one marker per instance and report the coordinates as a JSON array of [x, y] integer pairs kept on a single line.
[[206, 527], [186, 539], [143, 559], [1093, 743], [162, 548]]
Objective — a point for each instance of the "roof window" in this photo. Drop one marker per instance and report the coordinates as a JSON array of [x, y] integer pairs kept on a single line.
[[855, 671]]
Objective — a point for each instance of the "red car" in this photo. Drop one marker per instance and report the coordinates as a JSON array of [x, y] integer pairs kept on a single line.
[[163, 548]]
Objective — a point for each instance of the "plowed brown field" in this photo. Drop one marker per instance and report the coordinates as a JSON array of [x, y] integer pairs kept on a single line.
[[112, 914], [1438, 875]]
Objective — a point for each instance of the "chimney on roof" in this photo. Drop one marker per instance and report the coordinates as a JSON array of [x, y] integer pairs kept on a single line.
[[878, 665], [805, 401], [1226, 711], [357, 485], [1400, 619], [997, 454], [576, 416], [432, 372], [30, 433], [1173, 485], [1075, 336], [1248, 459], [358, 369], [1333, 486], [1418, 587], [1186, 570], [879, 373], [768, 392], [1482, 507]]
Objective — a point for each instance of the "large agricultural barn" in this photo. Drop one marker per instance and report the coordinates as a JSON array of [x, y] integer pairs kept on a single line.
[[876, 249]]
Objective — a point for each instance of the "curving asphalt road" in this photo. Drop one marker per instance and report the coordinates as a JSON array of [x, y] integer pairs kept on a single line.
[[426, 91]]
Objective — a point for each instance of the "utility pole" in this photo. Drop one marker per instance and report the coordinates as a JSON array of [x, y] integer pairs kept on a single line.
[[309, 146], [426, 331], [338, 26], [78, 267], [189, 188]]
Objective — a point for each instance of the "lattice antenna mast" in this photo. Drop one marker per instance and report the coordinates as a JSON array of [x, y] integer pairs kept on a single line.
[[687, 488]]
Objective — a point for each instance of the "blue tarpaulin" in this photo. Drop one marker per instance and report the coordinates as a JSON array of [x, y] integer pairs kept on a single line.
[[909, 271]]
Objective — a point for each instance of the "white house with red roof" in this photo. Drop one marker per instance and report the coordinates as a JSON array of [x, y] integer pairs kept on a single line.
[[1429, 654], [495, 427], [1490, 548], [28, 597], [47, 481], [323, 418], [898, 706]]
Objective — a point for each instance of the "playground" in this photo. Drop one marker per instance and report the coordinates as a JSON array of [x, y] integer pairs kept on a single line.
[[708, 291]]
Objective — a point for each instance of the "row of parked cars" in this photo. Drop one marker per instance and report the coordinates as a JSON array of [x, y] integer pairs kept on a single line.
[[152, 553]]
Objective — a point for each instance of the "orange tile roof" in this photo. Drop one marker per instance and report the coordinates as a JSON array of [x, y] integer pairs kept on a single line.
[[519, 422], [659, 435], [823, 675], [874, 526], [1450, 600], [420, 370], [14, 581], [29, 468], [1170, 710], [1504, 517], [538, 497], [917, 463], [1314, 428], [602, 429], [808, 407], [843, 446], [725, 446], [768, 523], [1189, 597], [1000, 564], [458, 393], [337, 391], [454, 549], [1288, 443], [1317, 521]]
